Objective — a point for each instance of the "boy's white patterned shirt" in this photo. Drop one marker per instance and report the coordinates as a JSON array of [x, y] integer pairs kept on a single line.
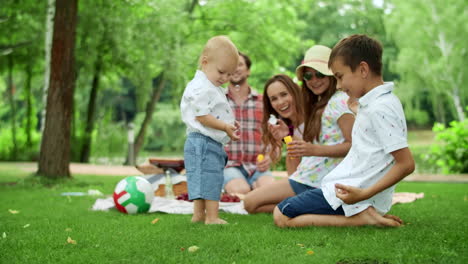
[[379, 129], [201, 98]]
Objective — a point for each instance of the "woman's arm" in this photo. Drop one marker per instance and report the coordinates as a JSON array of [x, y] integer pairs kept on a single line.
[[301, 148]]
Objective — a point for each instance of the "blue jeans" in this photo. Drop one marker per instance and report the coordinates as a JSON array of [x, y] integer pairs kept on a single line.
[[204, 160], [308, 202], [239, 172]]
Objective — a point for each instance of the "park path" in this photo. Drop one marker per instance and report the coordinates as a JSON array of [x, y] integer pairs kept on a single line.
[[120, 170]]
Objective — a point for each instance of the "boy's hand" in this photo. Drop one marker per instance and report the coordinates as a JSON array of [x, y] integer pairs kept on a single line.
[[350, 194], [232, 130], [279, 131]]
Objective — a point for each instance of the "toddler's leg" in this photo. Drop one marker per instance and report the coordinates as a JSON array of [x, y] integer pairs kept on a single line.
[[198, 211], [212, 213]]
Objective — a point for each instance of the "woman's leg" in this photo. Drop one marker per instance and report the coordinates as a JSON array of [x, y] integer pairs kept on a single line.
[[264, 199]]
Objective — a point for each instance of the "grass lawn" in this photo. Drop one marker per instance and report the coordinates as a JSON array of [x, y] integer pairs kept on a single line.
[[436, 230]]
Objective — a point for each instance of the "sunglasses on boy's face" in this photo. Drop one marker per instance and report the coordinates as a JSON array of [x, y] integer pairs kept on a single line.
[[309, 75]]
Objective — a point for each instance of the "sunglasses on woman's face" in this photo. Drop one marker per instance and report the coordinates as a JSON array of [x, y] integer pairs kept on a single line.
[[309, 75]]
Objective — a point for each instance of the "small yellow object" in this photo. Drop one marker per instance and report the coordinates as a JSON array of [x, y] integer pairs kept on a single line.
[[193, 249], [260, 157], [13, 211], [155, 221], [310, 252], [287, 139], [71, 241]]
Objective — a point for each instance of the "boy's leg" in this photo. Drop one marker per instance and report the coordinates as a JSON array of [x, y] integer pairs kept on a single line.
[[212, 213], [264, 200], [366, 217], [198, 211]]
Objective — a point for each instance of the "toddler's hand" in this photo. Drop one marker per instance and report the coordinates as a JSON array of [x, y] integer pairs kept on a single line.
[[232, 130]]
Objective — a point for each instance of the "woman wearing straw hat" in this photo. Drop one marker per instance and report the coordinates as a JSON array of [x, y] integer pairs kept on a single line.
[[326, 135]]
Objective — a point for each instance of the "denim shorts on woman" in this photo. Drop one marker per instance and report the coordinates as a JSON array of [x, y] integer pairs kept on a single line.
[[204, 160], [308, 202]]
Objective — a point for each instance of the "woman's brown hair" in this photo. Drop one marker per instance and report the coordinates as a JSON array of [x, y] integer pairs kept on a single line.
[[313, 109], [271, 145]]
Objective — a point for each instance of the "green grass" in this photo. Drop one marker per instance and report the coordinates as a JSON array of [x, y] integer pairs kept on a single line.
[[435, 231]]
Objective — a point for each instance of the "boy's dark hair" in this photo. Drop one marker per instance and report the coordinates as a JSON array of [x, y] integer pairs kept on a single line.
[[357, 48], [248, 62]]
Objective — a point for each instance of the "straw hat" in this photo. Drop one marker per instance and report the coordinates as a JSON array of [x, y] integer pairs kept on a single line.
[[317, 58]]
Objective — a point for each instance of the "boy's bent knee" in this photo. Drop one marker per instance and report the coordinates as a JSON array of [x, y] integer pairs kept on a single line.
[[279, 219]]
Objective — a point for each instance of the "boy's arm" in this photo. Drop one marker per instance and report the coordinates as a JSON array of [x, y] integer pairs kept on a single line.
[[212, 122], [404, 165]]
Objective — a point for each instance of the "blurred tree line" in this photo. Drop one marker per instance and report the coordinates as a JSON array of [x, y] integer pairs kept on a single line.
[[132, 59]]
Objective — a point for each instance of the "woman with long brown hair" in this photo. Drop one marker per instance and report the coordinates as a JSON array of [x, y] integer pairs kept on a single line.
[[322, 140]]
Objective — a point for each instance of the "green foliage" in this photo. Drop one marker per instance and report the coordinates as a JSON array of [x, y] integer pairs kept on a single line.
[[24, 151], [450, 152], [167, 131]]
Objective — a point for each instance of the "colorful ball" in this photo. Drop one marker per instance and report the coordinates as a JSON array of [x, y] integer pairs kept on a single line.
[[133, 195]]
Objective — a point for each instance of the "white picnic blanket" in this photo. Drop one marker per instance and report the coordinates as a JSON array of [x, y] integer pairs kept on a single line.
[[171, 206]]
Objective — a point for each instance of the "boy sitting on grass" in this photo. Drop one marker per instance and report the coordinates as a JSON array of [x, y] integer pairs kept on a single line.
[[359, 190]]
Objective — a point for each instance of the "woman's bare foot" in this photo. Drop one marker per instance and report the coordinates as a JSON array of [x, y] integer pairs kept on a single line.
[[217, 221], [371, 217]]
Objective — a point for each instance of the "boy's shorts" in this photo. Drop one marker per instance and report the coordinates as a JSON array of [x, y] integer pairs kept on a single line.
[[299, 187], [308, 202], [239, 172], [204, 160]]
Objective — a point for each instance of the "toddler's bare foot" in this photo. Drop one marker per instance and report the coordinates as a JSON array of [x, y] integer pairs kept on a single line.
[[198, 218], [217, 221], [371, 217]]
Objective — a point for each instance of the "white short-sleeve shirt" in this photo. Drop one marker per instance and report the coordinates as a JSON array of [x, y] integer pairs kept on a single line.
[[201, 98], [379, 129]]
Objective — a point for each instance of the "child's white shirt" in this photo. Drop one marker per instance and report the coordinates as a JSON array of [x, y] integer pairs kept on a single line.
[[201, 98], [379, 129]]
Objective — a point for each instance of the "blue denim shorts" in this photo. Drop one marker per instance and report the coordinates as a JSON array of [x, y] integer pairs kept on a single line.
[[309, 202], [239, 172], [299, 187], [204, 160]]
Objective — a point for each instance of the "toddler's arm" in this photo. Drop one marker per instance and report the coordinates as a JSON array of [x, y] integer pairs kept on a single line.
[[404, 165], [211, 121]]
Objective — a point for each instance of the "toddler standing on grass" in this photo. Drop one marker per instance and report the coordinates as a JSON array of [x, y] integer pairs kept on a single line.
[[210, 124], [359, 190]]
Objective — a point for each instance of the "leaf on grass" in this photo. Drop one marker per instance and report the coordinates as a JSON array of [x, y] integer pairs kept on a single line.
[[310, 252], [193, 249], [68, 229], [71, 241], [182, 249], [4, 235], [155, 221], [26, 225], [300, 245], [13, 211]]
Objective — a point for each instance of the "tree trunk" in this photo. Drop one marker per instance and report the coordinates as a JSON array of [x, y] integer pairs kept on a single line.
[[150, 106], [48, 46], [87, 138], [28, 98], [54, 159], [11, 99]]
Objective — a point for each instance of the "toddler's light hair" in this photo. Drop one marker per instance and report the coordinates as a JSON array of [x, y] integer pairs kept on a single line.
[[219, 45]]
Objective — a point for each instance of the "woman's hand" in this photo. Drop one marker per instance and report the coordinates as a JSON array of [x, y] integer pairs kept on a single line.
[[300, 148], [279, 131], [264, 164]]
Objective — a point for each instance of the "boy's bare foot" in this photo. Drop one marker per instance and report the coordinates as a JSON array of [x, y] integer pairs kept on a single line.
[[217, 221], [394, 217], [197, 219], [371, 217]]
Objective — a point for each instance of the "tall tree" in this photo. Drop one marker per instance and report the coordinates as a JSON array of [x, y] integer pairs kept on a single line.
[[431, 36], [54, 157]]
